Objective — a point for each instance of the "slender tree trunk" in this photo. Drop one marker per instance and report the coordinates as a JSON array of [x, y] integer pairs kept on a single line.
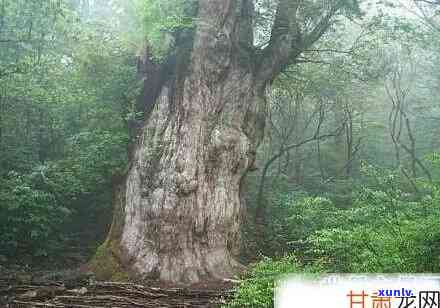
[[299, 172], [1, 117], [320, 163], [340, 142], [41, 137], [349, 143]]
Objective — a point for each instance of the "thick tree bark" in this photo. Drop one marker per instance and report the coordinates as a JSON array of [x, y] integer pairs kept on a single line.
[[179, 208], [180, 203]]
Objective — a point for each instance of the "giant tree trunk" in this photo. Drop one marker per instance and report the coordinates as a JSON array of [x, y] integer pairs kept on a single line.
[[179, 206]]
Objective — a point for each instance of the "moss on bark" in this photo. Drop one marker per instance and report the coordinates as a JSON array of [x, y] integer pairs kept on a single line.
[[106, 266], [106, 263]]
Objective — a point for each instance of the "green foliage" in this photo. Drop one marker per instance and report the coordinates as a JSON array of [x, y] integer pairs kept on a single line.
[[35, 206], [161, 19], [92, 157], [31, 214], [293, 218], [257, 289], [385, 231], [28, 28], [434, 158], [63, 103]]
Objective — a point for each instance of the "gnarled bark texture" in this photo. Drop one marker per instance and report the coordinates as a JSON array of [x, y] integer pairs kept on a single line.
[[178, 208]]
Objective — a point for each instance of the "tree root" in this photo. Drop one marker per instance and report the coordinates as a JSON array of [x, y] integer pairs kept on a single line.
[[111, 294]]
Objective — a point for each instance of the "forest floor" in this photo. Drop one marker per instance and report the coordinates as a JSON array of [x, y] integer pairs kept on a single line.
[[73, 289], [64, 281]]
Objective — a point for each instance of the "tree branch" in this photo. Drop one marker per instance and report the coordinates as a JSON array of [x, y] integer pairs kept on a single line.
[[322, 26], [287, 40], [284, 32]]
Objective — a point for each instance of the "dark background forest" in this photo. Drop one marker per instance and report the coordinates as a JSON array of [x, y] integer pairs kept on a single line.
[[347, 176]]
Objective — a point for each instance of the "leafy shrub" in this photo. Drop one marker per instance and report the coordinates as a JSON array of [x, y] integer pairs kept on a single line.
[[30, 215], [35, 206], [384, 231], [257, 289], [293, 218]]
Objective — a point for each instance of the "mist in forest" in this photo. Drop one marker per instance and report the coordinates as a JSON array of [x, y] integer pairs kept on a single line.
[[191, 142]]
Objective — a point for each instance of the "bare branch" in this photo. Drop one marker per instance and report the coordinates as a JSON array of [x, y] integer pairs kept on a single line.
[[284, 32], [288, 41], [322, 26]]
